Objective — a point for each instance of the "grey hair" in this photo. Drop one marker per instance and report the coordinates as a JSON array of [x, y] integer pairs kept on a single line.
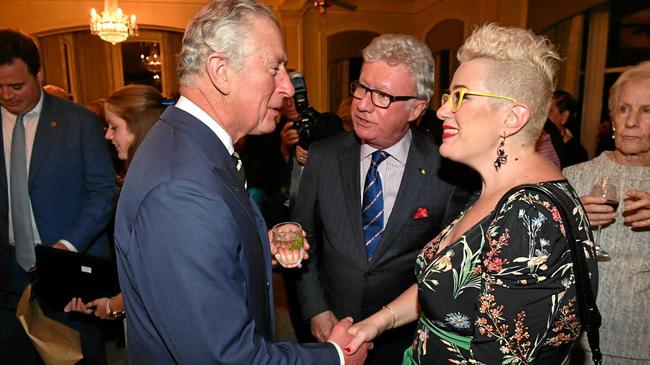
[[521, 65], [219, 26], [405, 49], [638, 73]]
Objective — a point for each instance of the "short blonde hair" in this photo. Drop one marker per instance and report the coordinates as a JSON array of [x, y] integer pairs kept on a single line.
[[638, 73], [522, 66]]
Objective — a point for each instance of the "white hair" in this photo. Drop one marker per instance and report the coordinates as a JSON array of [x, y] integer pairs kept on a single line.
[[407, 50], [220, 26]]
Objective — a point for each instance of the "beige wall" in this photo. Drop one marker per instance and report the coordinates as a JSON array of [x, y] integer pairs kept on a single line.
[[52, 16], [309, 34], [306, 31]]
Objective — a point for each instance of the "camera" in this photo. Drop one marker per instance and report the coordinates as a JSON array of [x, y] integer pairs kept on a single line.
[[310, 125]]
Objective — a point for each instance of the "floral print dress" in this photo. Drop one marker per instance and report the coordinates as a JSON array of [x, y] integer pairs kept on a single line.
[[504, 291]]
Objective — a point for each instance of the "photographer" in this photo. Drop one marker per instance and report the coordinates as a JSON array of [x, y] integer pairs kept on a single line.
[[300, 126], [289, 134], [310, 125]]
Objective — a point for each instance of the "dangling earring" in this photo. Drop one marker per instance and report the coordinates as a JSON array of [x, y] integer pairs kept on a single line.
[[613, 133], [502, 158]]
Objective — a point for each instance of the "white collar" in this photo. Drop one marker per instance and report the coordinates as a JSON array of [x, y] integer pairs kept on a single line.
[[187, 105]]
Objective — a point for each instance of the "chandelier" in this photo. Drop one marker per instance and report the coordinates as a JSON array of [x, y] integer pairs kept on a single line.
[[321, 5], [152, 62], [112, 25]]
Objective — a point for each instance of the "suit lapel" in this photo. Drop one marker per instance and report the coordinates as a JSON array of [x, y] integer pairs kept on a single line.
[[349, 165], [47, 131], [215, 152], [418, 166], [257, 252]]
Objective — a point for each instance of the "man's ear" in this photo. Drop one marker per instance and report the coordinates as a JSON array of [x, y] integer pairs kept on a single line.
[[216, 67], [517, 118], [417, 110], [40, 76]]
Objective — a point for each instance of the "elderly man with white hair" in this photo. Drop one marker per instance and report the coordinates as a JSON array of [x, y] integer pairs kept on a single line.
[[193, 253]]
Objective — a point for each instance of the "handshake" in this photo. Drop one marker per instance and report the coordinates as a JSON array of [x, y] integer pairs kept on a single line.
[[353, 339], [354, 350]]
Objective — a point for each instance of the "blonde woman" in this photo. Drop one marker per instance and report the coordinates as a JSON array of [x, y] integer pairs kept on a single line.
[[497, 285]]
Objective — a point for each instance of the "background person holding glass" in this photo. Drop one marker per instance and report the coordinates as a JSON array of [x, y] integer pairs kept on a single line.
[[624, 283]]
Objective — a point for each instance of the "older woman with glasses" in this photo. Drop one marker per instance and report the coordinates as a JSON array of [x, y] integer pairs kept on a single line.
[[498, 285]]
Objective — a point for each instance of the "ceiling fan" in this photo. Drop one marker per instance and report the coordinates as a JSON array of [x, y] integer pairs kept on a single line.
[[322, 5]]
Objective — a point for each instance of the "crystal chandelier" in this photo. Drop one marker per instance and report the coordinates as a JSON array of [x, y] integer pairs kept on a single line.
[[112, 25], [321, 5], [152, 62]]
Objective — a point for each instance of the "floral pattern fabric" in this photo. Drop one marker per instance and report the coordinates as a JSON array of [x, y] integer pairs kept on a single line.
[[504, 291]]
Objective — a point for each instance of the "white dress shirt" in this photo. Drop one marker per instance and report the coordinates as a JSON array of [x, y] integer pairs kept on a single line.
[[390, 170], [187, 105], [30, 120]]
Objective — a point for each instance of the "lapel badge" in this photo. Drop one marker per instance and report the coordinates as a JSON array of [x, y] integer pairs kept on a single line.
[[53, 124], [423, 171]]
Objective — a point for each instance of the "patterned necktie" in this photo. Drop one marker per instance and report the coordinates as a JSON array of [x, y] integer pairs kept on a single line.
[[372, 210], [239, 165], [20, 209]]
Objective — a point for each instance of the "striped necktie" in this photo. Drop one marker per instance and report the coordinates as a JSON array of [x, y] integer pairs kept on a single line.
[[372, 210], [239, 166], [21, 214]]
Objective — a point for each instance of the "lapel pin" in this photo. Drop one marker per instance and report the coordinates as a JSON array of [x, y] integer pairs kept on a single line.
[[423, 171], [52, 124]]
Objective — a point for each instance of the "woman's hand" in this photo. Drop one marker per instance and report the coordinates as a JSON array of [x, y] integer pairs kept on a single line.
[[599, 213], [363, 332], [636, 208], [77, 305], [100, 308]]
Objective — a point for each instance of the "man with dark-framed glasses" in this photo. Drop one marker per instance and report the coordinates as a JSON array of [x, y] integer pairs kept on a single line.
[[370, 199]]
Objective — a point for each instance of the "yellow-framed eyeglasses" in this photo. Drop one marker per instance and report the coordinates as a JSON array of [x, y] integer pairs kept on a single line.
[[458, 95]]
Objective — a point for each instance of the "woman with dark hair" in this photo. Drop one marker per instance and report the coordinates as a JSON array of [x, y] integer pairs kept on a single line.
[[130, 113], [562, 113]]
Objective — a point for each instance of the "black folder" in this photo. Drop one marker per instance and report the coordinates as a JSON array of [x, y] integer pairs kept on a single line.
[[62, 275]]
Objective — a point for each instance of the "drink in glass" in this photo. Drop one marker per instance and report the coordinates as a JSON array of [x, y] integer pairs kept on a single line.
[[603, 187], [288, 235]]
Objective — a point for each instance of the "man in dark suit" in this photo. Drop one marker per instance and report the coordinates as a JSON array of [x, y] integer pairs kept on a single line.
[[63, 195], [361, 261], [193, 254]]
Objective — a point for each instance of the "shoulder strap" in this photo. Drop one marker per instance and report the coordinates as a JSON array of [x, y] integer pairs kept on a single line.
[[589, 314]]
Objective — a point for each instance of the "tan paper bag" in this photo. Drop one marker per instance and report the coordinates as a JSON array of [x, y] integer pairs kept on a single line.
[[57, 343]]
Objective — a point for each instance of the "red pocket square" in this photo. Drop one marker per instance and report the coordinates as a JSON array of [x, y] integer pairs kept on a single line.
[[421, 213]]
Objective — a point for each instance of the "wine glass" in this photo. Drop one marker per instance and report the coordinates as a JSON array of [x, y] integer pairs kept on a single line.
[[603, 187]]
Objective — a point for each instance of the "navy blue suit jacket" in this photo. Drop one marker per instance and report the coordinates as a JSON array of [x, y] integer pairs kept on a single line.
[[193, 257], [71, 184]]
